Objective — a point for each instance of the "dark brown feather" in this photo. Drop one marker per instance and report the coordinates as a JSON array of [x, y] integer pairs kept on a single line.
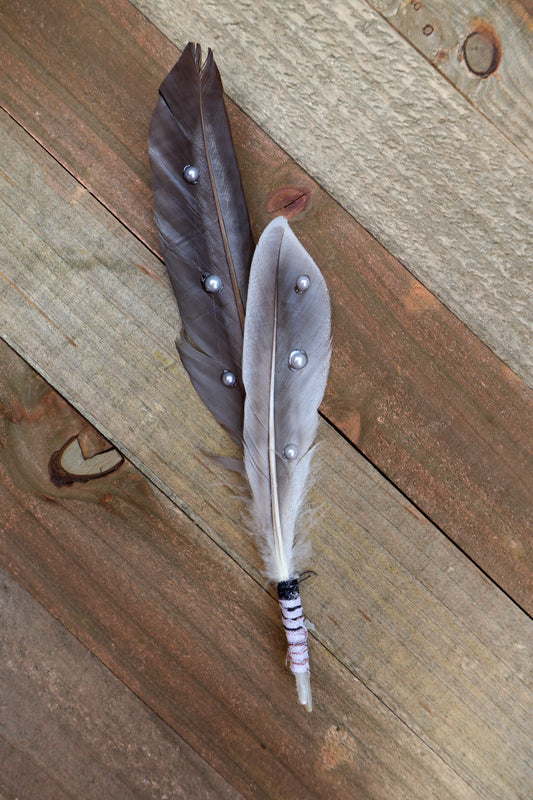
[[203, 228]]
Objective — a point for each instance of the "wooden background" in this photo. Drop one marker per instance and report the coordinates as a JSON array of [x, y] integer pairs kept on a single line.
[[415, 183]]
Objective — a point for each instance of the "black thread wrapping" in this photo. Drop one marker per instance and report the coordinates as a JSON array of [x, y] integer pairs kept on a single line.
[[288, 590]]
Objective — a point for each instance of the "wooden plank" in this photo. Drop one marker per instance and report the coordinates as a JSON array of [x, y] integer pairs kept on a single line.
[[526, 6], [483, 49], [392, 140], [21, 776], [140, 584], [70, 728], [394, 602], [71, 85], [423, 399]]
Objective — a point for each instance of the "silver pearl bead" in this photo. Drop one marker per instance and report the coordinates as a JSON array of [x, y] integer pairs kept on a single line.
[[290, 452], [297, 359], [212, 284], [302, 284], [191, 173], [228, 378]]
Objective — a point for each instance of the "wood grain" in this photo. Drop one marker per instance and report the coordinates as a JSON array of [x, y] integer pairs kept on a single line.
[[422, 397], [392, 140], [85, 91], [498, 82], [70, 729], [141, 585], [394, 602]]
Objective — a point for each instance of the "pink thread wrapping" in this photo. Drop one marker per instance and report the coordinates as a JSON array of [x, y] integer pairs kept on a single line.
[[296, 632]]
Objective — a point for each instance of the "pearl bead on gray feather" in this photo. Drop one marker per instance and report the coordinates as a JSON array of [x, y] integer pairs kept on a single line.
[[302, 284], [290, 452], [297, 360], [212, 284], [191, 174], [229, 379]]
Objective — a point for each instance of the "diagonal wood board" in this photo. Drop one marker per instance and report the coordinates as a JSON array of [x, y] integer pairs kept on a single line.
[[74, 729], [503, 30]]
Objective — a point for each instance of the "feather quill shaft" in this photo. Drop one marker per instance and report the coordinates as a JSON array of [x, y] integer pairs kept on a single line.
[[204, 229], [283, 573]]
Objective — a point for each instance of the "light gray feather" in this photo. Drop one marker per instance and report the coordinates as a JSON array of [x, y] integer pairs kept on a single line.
[[281, 406]]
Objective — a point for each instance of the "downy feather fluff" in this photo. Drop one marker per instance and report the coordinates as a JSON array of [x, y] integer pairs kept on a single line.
[[203, 228], [281, 405]]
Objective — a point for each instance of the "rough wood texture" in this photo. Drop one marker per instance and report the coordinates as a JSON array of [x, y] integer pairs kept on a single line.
[[483, 48], [393, 601], [69, 728], [76, 87], [422, 668], [400, 148], [141, 585], [424, 400]]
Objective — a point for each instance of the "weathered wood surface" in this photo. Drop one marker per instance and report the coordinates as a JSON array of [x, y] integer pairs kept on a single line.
[[141, 585], [483, 48], [422, 667], [424, 400], [69, 728], [392, 140], [394, 603]]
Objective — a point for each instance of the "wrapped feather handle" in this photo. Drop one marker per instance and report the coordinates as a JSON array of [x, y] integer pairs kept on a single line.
[[256, 331], [296, 633]]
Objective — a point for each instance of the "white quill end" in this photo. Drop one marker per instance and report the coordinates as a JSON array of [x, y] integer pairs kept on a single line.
[[303, 687]]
